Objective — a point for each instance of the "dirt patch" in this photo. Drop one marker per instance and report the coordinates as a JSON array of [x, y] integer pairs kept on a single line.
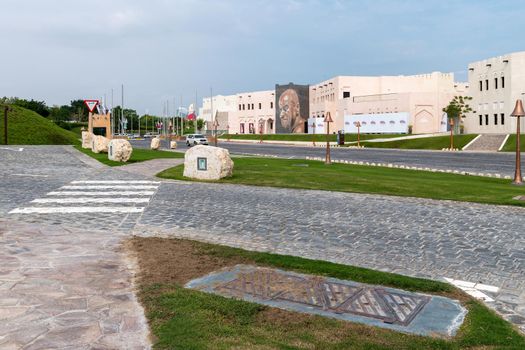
[[173, 261]]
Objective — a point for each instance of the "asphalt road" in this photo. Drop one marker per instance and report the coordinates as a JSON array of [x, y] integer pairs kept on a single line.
[[474, 162]]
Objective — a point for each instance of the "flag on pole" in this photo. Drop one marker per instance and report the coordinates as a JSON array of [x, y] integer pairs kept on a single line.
[[191, 113]]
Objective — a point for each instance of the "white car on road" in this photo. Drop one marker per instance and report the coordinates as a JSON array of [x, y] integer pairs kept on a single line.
[[196, 139]]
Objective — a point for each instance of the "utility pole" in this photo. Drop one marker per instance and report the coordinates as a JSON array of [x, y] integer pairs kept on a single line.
[[211, 107], [122, 110], [6, 110], [112, 120]]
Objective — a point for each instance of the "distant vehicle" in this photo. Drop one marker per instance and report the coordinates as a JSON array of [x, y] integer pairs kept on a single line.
[[151, 134], [196, 139]]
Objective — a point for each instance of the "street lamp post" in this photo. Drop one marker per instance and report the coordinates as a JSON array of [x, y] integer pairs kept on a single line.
[[358, 125], [518, 112], [228, 132], [215, 125], [451, 123], [328, 119], [261, 123], [313, 132]]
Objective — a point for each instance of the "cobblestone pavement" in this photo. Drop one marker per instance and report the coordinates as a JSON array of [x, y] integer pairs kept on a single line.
[[416, 237], [64, 281]]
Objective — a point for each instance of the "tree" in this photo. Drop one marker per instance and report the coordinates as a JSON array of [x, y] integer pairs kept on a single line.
[[457, 109], [79, 110], [200, 124], [39, 107]]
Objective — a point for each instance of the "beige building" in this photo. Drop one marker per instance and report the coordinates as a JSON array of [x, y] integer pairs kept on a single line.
[[496, 83], [220, 104], [251, 111], [422, 96]]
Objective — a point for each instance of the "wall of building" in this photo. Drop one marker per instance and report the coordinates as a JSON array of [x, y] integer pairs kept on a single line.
[[422, 96], [495, 85], [253, 111], [220, 104]]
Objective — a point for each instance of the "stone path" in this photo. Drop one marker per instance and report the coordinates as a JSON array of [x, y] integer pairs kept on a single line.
[[66, 289], [42, 251], [487, 142]]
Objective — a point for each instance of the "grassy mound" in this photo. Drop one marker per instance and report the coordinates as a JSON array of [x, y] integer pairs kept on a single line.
[[26, 127]]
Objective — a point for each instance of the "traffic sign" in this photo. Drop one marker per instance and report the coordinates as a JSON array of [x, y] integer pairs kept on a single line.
[[91, 104]]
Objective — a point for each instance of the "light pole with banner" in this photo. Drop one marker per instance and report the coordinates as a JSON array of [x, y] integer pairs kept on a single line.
[[518, 112], [328, 119], [358, 125]]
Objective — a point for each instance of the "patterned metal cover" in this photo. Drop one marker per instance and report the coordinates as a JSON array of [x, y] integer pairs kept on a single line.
[[317, 292]]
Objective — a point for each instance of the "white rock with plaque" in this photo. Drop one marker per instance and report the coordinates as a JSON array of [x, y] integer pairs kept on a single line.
[[207, 163], [119, 150]]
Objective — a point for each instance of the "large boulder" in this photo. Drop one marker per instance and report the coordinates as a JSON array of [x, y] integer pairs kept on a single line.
[[99, 144], [119, 150], [155, 143], [86, 139], [207, 163]]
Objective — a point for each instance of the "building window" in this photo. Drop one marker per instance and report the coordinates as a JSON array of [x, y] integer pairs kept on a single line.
[[260, 105], [346, 94], [252, 106], [480, 85], [248, 106], [486, 119], [486, 84], [496, 83], [251, 128], [271, 105], [241, 128], [503, 82], [271, 124], [502, 118], [480, 119], [240, 107], [243, 106], [495, 119]]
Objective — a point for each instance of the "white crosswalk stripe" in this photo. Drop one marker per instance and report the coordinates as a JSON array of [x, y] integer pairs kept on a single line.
[[110, 187], [91, 200], [93, 196], [98, 193]]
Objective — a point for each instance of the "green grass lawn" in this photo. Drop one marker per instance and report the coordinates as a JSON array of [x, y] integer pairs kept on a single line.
[[292, 173], [306, 137], [435, 143], [26, 127], [189, 319], [138, 155], [510, 145]]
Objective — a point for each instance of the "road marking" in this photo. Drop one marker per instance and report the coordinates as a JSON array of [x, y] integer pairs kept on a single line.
[[116, 182], [66, 210], [91, 200], [474, 289], [105, 193], [31, 175], [20, 149], [108, 187]]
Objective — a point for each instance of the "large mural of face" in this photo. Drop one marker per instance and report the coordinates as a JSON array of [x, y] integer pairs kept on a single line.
[[290, 110]]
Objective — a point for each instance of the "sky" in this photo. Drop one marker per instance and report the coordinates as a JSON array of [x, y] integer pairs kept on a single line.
[[161, 50]]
